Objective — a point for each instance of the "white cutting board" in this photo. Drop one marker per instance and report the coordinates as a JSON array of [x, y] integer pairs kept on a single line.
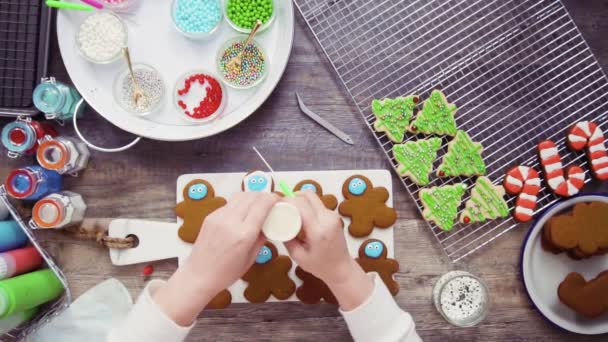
[[159, 240]]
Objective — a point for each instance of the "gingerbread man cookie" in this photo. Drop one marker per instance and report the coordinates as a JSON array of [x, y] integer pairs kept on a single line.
[[257, 181], [199, 202], [372, 258], [220, 301], [366, 206], [313, 289], [588, 298], [269, 275], [329, 201]]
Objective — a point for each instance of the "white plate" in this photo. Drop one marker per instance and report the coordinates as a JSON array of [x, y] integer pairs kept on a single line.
[[154, 40], [543, 272]]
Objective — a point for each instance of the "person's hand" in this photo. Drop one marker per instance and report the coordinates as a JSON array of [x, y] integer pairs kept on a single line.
[[224, 250], [322, 251]]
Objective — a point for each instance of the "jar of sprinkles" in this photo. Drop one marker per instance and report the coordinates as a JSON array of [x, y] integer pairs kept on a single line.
[[461, 298], [254, 66], [151, 84], [196, 19], [199, 96], [101, 37], [120, 5], [242, 14]]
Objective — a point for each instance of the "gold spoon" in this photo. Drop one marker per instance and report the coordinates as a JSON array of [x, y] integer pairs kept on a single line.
[[237, 61], [138, 94]]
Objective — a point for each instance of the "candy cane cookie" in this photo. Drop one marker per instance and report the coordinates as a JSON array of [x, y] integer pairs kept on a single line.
[[588, 134], [553, 169], [524, 182]]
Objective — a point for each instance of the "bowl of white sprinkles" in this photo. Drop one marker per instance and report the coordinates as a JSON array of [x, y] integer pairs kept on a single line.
[[101, 37], [151, 84], [461, 298]]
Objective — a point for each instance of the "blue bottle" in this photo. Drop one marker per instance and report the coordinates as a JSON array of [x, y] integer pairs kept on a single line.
[[33, 183], [55, 99], [11, 236]]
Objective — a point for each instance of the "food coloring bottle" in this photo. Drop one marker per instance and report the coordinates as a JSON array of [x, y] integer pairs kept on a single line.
[[28, 291], [55, 99], [33, 183], [63, 154], [11, 236], [13, 321], [58, 210], [19, 261], [21, 137]]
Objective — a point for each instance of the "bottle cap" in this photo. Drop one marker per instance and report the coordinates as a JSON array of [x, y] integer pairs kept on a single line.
[[52, 154], [48, 213], [48, 98], [18, 137], [20, 183]]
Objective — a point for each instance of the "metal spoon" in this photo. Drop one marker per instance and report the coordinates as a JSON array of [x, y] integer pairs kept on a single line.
[[237, 61], [138, 94]]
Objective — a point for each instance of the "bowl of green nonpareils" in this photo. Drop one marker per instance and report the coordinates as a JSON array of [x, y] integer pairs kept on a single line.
[[242, 14]]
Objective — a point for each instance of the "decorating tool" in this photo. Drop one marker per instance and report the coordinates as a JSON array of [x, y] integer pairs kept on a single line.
[[284, 187], [69, 5], [237, 60], [324, 123], [93, 3], [138, 94]]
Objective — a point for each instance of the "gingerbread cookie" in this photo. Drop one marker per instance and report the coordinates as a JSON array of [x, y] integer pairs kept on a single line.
[[313, 289], [257, 181], [221, 301], [441, 204], [463, 158], [329, 201], [393, 115], [269, 275], [199, 202], [588, 298], [486, 202], [416, 159], [524, 182], [436, 116], [372, 258], [366, 206], [587, 134], [553, 169]]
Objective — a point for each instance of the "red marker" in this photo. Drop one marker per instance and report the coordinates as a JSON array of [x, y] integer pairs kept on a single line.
[[19, 261]]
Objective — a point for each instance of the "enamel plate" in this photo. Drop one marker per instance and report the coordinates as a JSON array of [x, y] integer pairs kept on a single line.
[[543, 272], [154, 40]]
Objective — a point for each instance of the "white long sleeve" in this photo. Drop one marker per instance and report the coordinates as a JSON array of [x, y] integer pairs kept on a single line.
[[147, 322], [380, 319]]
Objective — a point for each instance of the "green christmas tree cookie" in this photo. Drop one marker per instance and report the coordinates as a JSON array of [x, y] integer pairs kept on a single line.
[[463, 158], [486, 202], [416, 159], [436, 116], [393, 115], [441, 204]]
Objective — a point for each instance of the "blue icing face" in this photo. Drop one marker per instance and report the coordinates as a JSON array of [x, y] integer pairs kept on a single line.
[[374, 249], [264, 255], [309, 186], [257, 183], [357, 186], [197, 191]]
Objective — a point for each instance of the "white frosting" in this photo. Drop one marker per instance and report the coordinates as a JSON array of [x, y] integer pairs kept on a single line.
[[598, 133], [572, 190], [555, 182], [577, 175], [533, 181], [553, 167], [524, 210], [601, 171], [527, 197], [584, 125], [514, 181], [524, 170], [548, 152], [599, 161], [283, 223], [576, 138], [596, 148]]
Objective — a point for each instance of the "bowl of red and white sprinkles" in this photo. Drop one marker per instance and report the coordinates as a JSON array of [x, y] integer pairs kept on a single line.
[[199, 96]]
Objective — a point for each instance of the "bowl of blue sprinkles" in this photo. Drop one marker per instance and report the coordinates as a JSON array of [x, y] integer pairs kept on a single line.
[[197, 19]]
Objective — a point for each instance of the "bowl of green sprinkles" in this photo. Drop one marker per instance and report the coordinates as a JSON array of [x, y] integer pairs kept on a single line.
[[254, 65], [242, 14]]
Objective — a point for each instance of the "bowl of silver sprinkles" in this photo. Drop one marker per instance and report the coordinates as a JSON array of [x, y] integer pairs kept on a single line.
[[151, 84]]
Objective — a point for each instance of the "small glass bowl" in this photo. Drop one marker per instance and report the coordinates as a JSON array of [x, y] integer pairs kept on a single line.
[[262, 28], [117, 92], [225, 46], [114, 58], [176, 97], [121, 6], [439, 288], [196, 35]]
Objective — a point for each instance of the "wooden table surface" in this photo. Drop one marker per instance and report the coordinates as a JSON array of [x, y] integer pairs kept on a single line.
[[140, 183]]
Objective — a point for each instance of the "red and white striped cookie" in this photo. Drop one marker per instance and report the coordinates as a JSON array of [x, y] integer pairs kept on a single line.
[[553, 169], [588, 134], [524, 182]]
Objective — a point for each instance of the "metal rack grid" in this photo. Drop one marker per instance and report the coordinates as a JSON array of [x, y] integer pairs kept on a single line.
[[518, 70], [24, 38]]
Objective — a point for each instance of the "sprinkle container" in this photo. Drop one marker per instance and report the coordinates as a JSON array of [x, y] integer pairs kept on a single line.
[[55, 99], [33, 183], [101, 37], [150, 82], [21, 136], [199, 96], [120, 5], [461, 298], [63, 155], [196, 19], [254, 66], [242, 14], [58, 210]]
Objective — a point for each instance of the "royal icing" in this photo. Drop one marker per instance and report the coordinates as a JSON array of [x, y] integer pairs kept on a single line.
[[257, 181], [393, 115], [374, 249], [436, 116], [588, 134], [486, 202], [441, 204], [463, 158], [357, 186], [524, 182], [309, 186], [264, 255], [197, 191], [560, 183], [416, 159]]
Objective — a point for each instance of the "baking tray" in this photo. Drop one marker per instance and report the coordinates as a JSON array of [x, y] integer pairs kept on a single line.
[[24, 44], [518, 70]]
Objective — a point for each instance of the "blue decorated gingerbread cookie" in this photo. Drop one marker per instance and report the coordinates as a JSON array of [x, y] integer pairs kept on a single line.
[[329, 201], [373, 258], [257, 181]]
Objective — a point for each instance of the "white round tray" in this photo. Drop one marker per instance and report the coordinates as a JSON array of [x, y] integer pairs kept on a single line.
[[154, 40], [543, 271]]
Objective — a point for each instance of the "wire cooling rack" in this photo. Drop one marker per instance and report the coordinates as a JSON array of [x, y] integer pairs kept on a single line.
[[518, 70]]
